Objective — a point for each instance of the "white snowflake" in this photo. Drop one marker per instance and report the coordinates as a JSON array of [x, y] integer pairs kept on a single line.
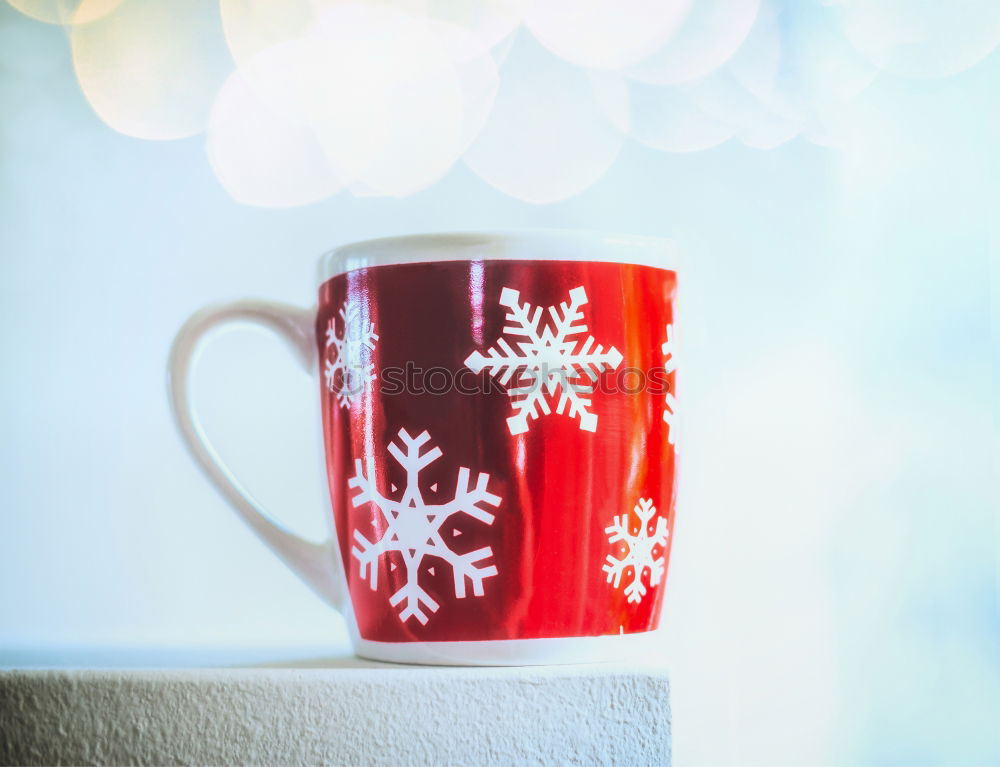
[[549, 357], [670, 351], [670, 404], [671, 418], [349, 358], [413, 527], [637, 549]]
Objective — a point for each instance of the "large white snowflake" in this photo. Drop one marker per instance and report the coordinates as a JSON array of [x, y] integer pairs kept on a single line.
[[637, 549], [349, 357], [413, 527], [670, 403], [550, 357]]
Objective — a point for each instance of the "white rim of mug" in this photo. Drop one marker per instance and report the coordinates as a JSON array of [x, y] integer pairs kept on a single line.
[[515, 245]]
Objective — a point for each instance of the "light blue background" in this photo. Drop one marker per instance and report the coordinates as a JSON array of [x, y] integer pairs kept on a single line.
[[833, 594]]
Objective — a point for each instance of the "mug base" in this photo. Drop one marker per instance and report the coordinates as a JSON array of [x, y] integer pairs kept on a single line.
[[642, 646]]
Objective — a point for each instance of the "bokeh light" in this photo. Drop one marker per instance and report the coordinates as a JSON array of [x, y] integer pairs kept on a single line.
[[760, 123], [486, 22], [709, 35], [252, 26], [260, 156], [381, 91], [548, 136], [819, 64], [756, 66], [604, 34], [922, 39], [395, 92], [478, 73], [65, 11], [667, 118], [151, 69], [820, 71]]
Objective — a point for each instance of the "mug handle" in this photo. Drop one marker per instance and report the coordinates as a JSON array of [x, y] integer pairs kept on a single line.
[[314, 563]]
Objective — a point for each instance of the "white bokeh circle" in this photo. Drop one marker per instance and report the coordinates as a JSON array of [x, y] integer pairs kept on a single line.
[[921, 39], [383, 97], [262, 157], [548, 136], [393, 99], [252, 26], [710, 33], [66, 12], [604, 34], [667, 118], [485, 22], [151, 69]]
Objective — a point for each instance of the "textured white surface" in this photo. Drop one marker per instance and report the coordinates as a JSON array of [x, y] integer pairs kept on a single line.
[[345, 712]]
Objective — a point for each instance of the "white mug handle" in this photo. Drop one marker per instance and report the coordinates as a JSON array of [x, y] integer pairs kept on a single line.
[[314, 563]]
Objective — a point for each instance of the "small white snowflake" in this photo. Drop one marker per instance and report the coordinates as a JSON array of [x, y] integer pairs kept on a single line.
[[550, 357], [413, 527], [672, 419], [670, 404], [637, 549], [670, 350], [349, 357]]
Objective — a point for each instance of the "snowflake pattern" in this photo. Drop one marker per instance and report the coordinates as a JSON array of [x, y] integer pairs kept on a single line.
[[413, 527], [670, 403], [637, 549], [349, 358], [670, 351], [672, 419], [548, 359]]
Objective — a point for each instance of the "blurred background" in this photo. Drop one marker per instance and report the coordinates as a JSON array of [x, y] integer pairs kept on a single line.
[[828, 169]]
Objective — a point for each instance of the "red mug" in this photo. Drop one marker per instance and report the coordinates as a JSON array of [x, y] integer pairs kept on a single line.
[[499, 424]]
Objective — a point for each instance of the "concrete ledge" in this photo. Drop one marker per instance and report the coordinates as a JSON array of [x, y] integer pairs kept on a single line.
[[351, 712]]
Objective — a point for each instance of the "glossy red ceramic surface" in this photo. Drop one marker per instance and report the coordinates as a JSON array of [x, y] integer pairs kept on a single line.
[[526, 554]]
